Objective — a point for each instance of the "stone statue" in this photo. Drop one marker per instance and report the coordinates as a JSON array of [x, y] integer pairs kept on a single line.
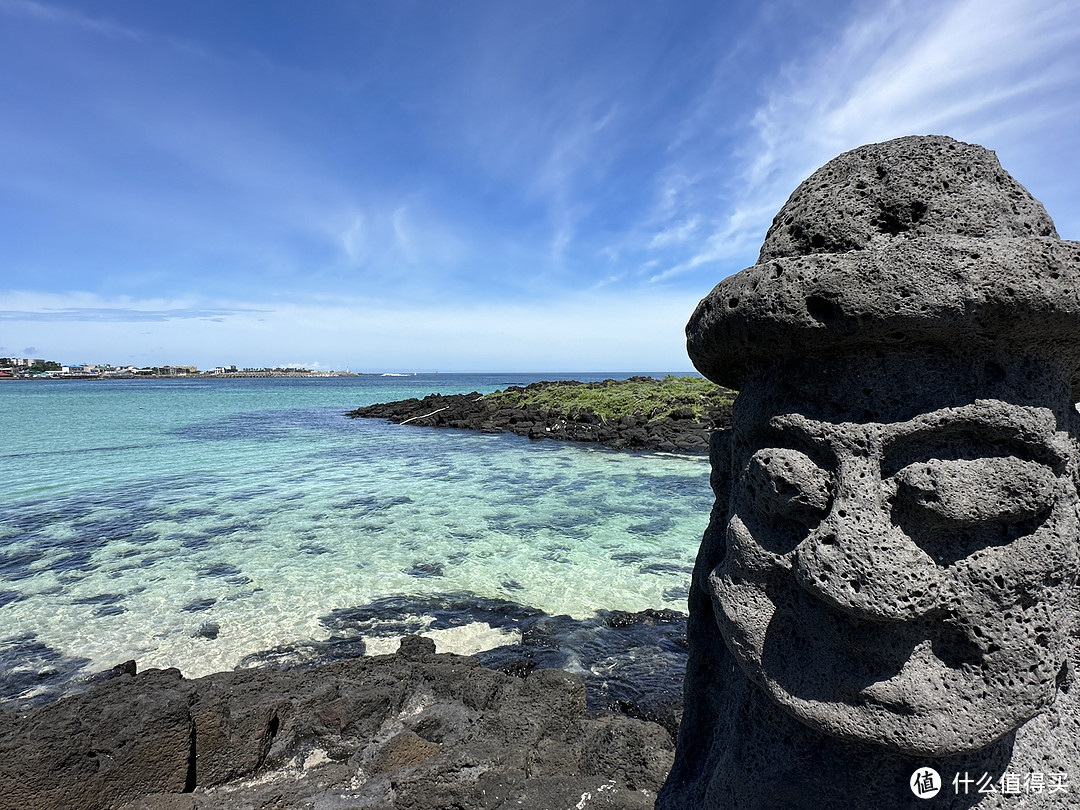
[[884, 607]]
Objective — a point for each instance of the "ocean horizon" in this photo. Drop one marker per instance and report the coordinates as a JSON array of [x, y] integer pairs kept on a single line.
[[208, 524]]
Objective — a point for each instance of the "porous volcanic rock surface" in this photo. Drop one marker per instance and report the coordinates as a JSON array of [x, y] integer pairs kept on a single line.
[[905, 188], [681, 432], [411, 730], [888, 581]]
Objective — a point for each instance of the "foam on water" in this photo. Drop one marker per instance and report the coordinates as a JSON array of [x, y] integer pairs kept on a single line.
[[195, 524]]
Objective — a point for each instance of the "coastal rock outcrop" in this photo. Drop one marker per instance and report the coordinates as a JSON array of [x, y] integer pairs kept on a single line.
[[884, 607], [411, 730], [680, 431]]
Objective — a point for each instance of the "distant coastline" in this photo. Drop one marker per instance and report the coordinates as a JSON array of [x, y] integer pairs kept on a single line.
[[208, 376], [32, 368]]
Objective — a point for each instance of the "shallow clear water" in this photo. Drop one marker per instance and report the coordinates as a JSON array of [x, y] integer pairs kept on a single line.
[[194, 523]]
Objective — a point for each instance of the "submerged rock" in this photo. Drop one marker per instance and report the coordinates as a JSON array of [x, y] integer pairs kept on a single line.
[[631, 663]]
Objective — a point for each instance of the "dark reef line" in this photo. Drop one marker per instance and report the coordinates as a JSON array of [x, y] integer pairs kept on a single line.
[[660, 415]]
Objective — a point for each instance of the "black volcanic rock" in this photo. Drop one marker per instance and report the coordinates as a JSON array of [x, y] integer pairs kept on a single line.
[[412, 730], [680, 432], [904, 188], [871, 619]]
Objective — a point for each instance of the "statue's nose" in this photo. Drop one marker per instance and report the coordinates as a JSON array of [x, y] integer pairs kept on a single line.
[[861, 563]]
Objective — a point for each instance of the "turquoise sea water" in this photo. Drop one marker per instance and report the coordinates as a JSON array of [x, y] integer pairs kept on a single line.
[[196, 523]]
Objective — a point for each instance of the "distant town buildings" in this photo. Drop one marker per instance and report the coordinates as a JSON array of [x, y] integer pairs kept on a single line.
[[28, 368]]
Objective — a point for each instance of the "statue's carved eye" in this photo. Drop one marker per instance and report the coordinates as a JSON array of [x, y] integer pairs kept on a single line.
[[787, 483], [782, 495], [965, 492], [954, 507]]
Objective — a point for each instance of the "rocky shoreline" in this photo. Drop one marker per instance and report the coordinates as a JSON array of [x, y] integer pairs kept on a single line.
[[679, 429], [411, 730]]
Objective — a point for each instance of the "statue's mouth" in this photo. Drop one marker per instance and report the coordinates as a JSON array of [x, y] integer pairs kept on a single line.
[[815, 652]]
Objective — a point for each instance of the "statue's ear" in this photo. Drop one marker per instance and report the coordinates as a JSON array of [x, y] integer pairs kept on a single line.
[[720, 446], [1068, 673], [713, 543], [1074, 439], [711, 672]]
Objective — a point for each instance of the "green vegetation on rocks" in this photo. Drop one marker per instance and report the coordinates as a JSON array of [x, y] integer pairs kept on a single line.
[[671, 397], [675, 414]]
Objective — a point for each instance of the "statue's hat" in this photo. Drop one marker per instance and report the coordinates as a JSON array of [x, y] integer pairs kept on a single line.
[[919, 240]]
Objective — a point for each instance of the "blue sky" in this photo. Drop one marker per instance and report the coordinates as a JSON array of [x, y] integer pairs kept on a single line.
[[514, 186]]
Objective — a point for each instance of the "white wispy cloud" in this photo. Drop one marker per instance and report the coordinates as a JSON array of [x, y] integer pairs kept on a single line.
[[586, 331], [989, 71], [401, 234], [678, 232], [737, 237], [354, 239], [542, 155], [576, 148], [56, 14], [83, 307], [380, 241]]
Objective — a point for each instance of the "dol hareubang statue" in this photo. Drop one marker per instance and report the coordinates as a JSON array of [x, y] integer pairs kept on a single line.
[[888, 580]]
